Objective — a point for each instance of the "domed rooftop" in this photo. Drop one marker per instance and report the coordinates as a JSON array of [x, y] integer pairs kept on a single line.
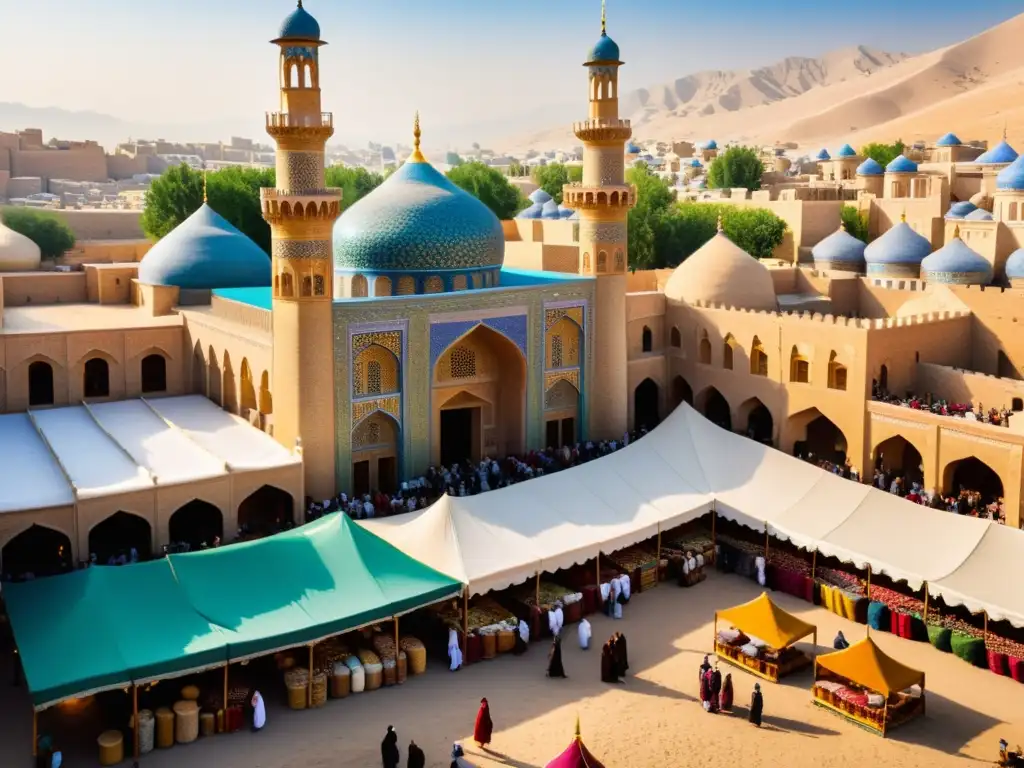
[[870, 167], [956, 263], [299, 25], [901, 164], [550, 210], [533, 211], [961, 209], [1015, 265], [722, 272], [564, 212], [1000, 153], [840, 250], [949, 140], [1012, 176], [204, 252], [846, 151], [418, 220], [605, 49], [17, 252], [539, 196], [695, 163], [901, 245], [978, 214], [632, 148], [710, 144], [823, 155]]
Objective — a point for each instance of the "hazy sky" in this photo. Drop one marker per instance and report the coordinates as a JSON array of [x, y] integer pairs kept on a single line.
[[458, 61]]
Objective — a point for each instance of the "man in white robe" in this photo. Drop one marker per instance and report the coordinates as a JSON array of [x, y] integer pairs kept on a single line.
[[524, 631], [454, 651], [259, 711], [616, 611], [556, 620], [584, 632], [625, 584]]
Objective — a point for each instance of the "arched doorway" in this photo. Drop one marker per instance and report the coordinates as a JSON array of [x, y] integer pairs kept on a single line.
[[759, 425], [715, 408], [36, 551], [972, 474], [266, 400], [198, 371], [154, 374], [229, 390], [118, 535], [817, 437], [478, 398], [681, 392], [248, 389], [897, 457], [214, 379], [265, 511], [196, 524], [375, 446], [96, 378], [40, 383], [646, 413]]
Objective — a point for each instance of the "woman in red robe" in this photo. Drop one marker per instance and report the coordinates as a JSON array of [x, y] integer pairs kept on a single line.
[[483, 727]]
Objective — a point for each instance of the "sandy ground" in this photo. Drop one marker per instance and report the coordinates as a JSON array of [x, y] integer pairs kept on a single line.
[[650, 720]]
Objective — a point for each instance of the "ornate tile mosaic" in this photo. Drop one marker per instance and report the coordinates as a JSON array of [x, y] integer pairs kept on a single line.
[[390, 405], [301, 249], [305, 170], [390, 340], [442, 335], [602, 232], [552, 316], [571, 375]]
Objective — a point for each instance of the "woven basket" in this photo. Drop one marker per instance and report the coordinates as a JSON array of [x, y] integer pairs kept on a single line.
[[490, 646], [111, 744], [417, 657], [358, 680], [147, 731], [403, 666], [390, 672], [207, 723], [164, 728], [341, 680], [319, 691], [374, 676], [186, 722], [506, 640]]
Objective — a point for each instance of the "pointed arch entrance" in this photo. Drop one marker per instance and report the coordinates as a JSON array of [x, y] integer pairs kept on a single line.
[[39, 551], [897, 457], [118, 535], [757, 421], [682, 392], [196, 524], [561, 414], [266, 511], [971, 474], [375, 442], [816, 436], [646, 410], [715, 408]]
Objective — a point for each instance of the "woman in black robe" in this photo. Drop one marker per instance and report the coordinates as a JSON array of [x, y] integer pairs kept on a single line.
[[555, 668], [389, 749], [416, 757], [520, 646], [704, 667], [756, 705], [622, 654], [716, 688], [608, 673]]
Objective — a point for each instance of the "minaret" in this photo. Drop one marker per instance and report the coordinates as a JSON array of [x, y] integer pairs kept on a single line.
[[603, 200], [301, 213]]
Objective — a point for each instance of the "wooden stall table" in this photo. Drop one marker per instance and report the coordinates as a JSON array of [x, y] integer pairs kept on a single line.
[[111, 744], [779, 630]]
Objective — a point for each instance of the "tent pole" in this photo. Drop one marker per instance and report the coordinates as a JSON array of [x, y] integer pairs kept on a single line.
[[985, 615], [659, 545], [885, 714], [868, 591], [396, 645], [814, 564], [226, 666], [309, 690], [714, 515], [35, 733], [598, 561], [465, 623], [135, 722], [536, 589], [766, 543], [926, 602]]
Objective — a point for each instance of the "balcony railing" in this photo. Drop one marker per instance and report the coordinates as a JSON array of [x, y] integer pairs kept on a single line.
[[288, 120], [598, 123], [271, 194]]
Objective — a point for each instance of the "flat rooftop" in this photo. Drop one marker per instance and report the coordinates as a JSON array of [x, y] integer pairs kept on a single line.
[[56, 318]]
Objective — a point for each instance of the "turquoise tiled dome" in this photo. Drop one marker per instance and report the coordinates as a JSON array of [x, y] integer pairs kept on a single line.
[[949, 140], [823, 155], [605, 49], [632, 148], [695, 163], [533, 211], [299, 25], [961, 209], [205, 252], [956, 263], [870, 167], [712, 144], [1015, 265], [899, 252], [840, 250], [901, 164], [1012, 176], [1000, 153], [846, 151], [550, 210], [418, 220]]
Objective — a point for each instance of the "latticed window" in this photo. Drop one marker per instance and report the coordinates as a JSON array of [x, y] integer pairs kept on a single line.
[[573, 357], [620, 262], [357, 379], [758, 362], [307, 286], [373, 431], [318, 285], [602, 259], [406, 286], [556, 351], [462, 363], [373, 378]]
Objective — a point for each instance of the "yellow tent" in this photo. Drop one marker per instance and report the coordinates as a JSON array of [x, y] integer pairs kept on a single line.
[[765, 620], [865, 664]]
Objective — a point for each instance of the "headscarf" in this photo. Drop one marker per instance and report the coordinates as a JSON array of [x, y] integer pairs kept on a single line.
[[757, 686], [457, 748]]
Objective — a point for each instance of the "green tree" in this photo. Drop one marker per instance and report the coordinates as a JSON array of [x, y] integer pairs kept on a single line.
[[51, 233], [648, 231], [490, 186], [737, 167], [452, 158], [554, 176], [757, 231], [883, 154], [355, 183], [516, 169], [855, 222], [685, 227]]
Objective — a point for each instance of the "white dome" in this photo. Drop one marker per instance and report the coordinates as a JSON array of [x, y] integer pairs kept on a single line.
[[17, 252], [722, 272]]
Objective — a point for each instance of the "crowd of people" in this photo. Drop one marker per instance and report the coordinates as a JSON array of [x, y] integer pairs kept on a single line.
[[716, 693], [466, 478], [999, 417]]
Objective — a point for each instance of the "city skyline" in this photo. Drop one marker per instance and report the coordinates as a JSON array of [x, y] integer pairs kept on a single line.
[[211, 64]]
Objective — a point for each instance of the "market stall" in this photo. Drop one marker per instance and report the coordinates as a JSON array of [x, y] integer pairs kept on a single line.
[[864, 685], [576, 755], [484, 625], [761, 639]]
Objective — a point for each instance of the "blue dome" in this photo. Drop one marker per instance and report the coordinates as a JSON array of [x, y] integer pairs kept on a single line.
[[550, 210], [1000, 153], [901, 245], [695, 163], [712, 144], [961, 209], [534, 211], [846, 151], [978, 214], [955, 262], [949, 140], [632, 149], [604, 49], [539, 196], [823, 155], [901, 164], [205, 252], [870, 167], [1015, 265], [299, 25], [418, 220], [840, 249], [564, 212], [1012, 176]]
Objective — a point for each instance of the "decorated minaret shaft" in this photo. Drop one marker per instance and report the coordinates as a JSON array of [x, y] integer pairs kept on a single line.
[[603, 200], [301, 211]]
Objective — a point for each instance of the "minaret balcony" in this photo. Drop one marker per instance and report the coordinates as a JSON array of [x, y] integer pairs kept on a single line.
[[602, 129], [580, 197], [282, 204], [297, 125]]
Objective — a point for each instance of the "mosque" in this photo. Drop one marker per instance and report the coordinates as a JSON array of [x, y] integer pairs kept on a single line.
[[209, 388]]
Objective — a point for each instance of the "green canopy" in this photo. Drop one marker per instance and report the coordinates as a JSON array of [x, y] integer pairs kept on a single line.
[[321, 579], [104, 627]]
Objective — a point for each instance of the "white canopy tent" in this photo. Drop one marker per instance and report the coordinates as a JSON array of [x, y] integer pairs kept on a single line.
[[30, 477], [986, 581]]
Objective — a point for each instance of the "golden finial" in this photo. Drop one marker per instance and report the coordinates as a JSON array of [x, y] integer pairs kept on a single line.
[[604, 19], [719, 224], [577, 728], [956, 232], [416, 156], [204, 185], [903, 217], [300, 3]]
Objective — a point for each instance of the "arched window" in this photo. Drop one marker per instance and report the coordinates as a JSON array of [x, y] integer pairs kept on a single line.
[[704, 349], [462, 363], [373, 378], [1017, 404], [382, 286], [620, 261], [96, 378], [647, 339], [318, 285], [836, 373], [154, 373], [459, 283], [406, 285], [556, 351], [286, 284], [435, 284], [307, 286], [676, 338], [602, 261], [758, 359], [727, 351], [40, 383], [799, 368], [359, 287]]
